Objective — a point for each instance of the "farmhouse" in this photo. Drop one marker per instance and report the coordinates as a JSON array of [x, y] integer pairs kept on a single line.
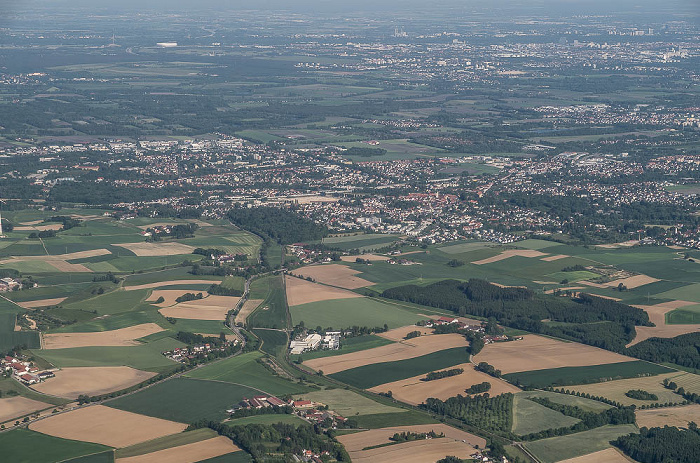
[[309, 343], [9, 284]]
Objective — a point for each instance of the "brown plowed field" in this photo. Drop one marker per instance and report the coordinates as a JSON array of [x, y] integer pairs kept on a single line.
[[414, 391], [672, 416], [189, 453], [14, 407], [657, 315], [604, 456], [615, 390], [334, 275], [209, 308], [553, 258], [632, 282], [412, 348], [121, 337], [72, 382], [107, 426], [302, 292], [428, 450], [398, 334], [539, 353], [248, 307]]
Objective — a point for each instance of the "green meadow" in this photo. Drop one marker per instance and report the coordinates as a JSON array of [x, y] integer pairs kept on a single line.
[[344, 313]]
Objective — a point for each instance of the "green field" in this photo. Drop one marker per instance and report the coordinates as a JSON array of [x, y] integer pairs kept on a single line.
[[566, 399], [689, 315], [574, 445], [369, 376], [349, 403], [25, 446], [10, 338], [271, 290], [582, 375], [246, 370], [350, 345], [530, 417], [343, 313], [180, 273], [463, 247], [362, 242], [273, 342], [384, 420], [166, 442], [235, 457], [185, 400], [147, 357]]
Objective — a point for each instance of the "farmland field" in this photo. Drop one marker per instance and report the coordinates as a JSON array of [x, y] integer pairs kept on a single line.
[[273, 310], [268, 419], [22, 445], [540, 353], [615, 390], [338, 275], [245, 369], [531, 417], [412, 348], [566, 399], [300, 291], [144, 357], [172, 440], [343, 313], [349, 403], [108, 426], [671, 416], [369, 376], [273, 342], [415, 391], [566, 376], [560, 448], [73, 382], [196, 399]]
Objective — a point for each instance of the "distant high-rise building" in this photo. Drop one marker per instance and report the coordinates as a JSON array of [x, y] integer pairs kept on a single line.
[[399, 32]]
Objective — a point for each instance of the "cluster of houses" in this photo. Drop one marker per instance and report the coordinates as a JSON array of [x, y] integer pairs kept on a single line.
[[191, 353], [158, 230], [488, 339], [257, 402], [229, 258], [329, 341], [313, 412], [402, 262], [9, 284], [23, 371]]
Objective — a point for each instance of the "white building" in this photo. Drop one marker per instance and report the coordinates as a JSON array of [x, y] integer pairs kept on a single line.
[[311, 342]]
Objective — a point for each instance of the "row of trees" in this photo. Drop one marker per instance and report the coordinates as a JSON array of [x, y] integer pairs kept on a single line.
[[433, 375]]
